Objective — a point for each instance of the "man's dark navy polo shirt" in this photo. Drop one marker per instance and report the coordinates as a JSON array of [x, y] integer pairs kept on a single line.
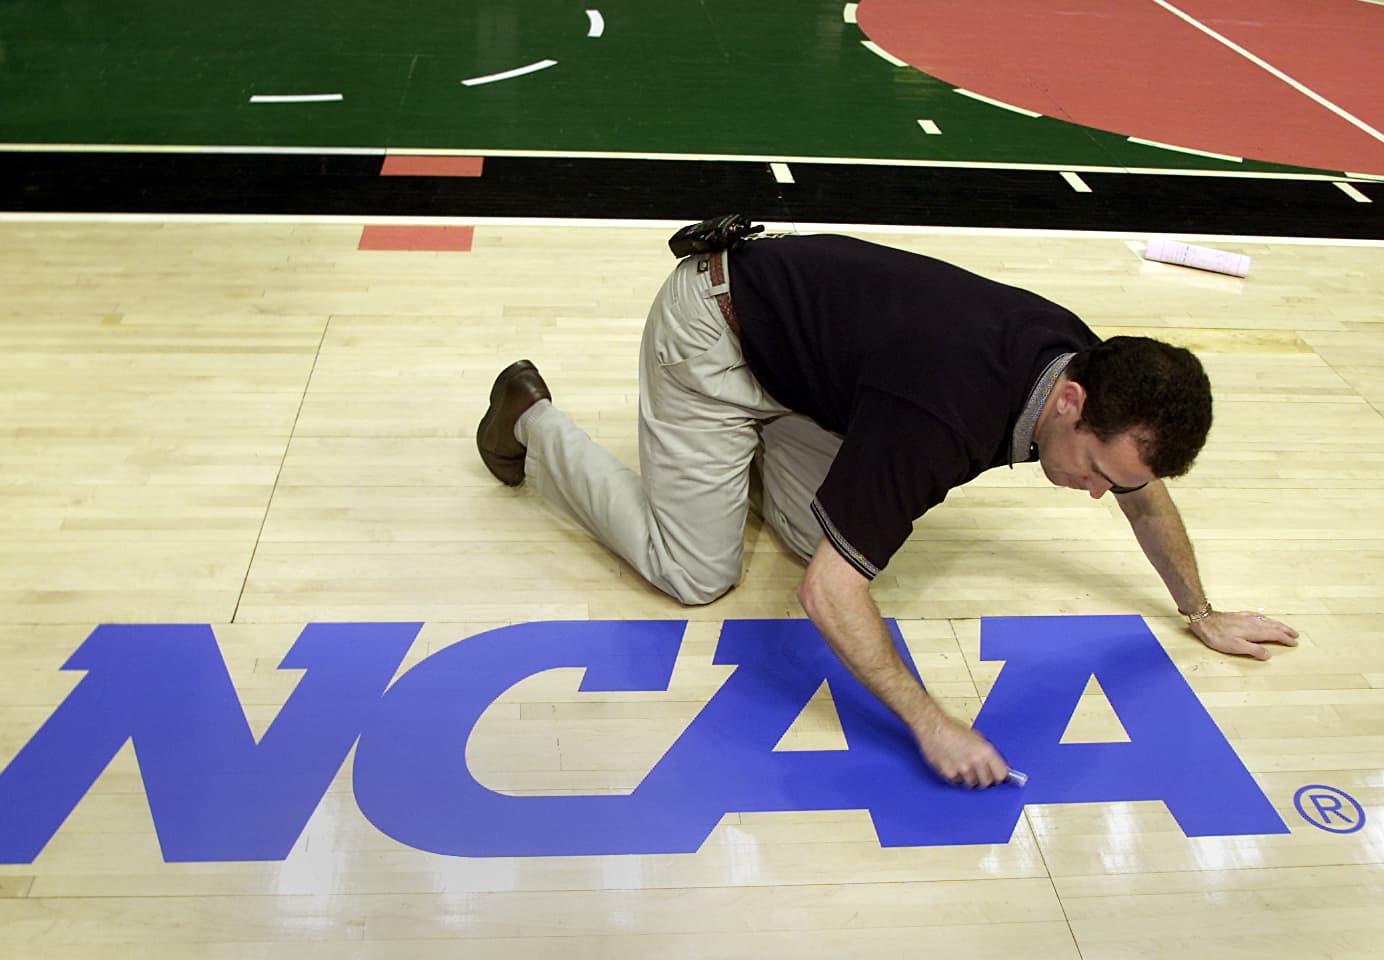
[[921, 366]]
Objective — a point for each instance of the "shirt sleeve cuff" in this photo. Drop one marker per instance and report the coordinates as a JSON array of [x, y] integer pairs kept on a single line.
[[843, 546]]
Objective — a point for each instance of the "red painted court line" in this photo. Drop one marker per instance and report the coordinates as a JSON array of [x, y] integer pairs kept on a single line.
[[437, 239], [410, 165]]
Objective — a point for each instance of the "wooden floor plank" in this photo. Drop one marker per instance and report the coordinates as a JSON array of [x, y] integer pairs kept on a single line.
[[260, 426]]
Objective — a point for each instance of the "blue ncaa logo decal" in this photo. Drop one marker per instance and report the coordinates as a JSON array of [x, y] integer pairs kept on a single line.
[[216, 794]]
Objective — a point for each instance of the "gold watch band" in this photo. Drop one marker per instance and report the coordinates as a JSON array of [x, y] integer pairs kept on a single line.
[[1201, 613]]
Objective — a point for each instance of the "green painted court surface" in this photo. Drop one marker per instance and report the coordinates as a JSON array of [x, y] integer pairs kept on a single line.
[[780, 78]]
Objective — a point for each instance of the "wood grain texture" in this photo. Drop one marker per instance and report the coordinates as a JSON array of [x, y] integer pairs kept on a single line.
[[260, 426]]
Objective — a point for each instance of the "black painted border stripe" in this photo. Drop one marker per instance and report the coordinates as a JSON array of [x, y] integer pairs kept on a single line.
[[685, 190]]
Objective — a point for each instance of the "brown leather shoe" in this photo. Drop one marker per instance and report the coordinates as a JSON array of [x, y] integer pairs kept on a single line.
[[518, 387]]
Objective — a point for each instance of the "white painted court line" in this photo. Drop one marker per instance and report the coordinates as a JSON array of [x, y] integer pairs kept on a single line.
[[510, 74], [879, 51], [597, 23], [875, 228], [930, 128], [1174, 147], [771, 226], [996, 103], [1351, 192], [1075, 182], [290, 151], [171, 149], [1265, 65], [297, 98], [848, 13], [782, 173]]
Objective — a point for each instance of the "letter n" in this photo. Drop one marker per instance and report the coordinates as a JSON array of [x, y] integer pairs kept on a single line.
[[215, 794]]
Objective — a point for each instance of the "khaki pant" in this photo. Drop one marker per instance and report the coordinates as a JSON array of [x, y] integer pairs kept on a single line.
[[703, 418]]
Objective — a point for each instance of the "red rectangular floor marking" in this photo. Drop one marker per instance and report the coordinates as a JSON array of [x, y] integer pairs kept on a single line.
[[457, 239], [411, 165]]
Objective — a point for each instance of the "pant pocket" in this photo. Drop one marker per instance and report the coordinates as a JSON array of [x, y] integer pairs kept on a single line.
[[687, 335]]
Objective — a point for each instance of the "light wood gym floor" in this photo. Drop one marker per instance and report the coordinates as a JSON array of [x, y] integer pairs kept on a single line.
[[258, 426]]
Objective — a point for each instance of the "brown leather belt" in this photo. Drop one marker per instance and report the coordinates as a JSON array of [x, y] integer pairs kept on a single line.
[[718, 277]]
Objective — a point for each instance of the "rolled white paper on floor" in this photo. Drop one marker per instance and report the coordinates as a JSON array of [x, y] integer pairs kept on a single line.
[[1203, 258]]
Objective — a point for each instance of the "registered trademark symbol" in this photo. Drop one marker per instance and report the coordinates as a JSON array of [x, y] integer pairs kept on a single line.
[[1327, 808]]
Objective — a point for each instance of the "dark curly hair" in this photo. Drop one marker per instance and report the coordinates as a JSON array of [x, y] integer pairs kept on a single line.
[[1153, 388]]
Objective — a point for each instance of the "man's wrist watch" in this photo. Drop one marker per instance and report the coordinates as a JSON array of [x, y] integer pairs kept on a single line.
[[1200, 614]]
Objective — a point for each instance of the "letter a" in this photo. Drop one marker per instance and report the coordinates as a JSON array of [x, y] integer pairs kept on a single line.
[[1175, 753]]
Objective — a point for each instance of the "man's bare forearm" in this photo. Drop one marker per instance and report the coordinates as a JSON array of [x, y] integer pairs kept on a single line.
[[838, 600], [1162, 536], [1158, 527], [848, 619]]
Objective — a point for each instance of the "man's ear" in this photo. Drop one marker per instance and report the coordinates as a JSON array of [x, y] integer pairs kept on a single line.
[[1071, 397]]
